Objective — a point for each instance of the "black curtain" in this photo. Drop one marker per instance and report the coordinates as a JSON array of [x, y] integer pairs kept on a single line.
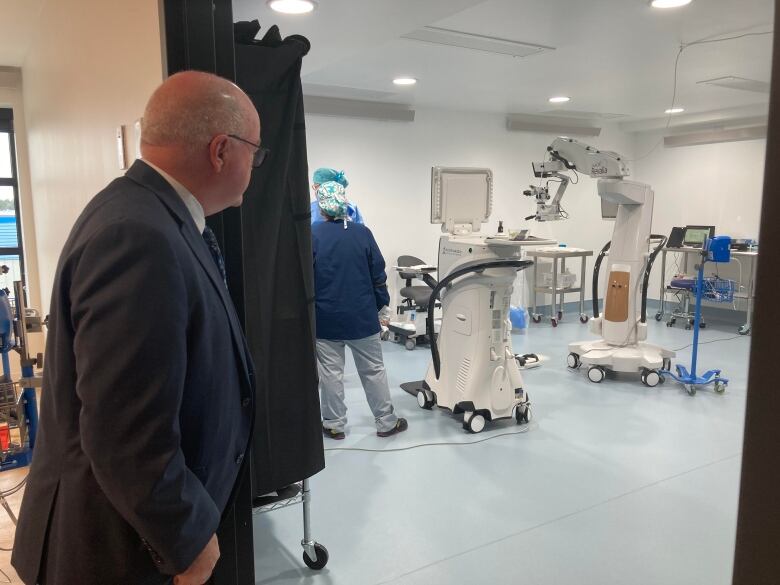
[[278, 273]]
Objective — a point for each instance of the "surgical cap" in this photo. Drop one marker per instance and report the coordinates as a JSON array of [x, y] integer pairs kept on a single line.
[[332, 199], [324, 174]]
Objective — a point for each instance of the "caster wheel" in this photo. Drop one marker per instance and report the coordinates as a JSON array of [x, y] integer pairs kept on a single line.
[[410, 344], [554, 322], [687, 327], [474, 422], [322, 557], [425, 399], [560, 315], [669, 324], [537, 318], [573, 361], [720, 387], [584, 318], [650, 378], [385, 335], [744, 330], [523, 412], [659, 316], [596, 374], [673, 321], [690, 389], [702, 325]]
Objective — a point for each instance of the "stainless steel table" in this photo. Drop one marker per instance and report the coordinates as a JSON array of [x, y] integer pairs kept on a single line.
[[556, 292]]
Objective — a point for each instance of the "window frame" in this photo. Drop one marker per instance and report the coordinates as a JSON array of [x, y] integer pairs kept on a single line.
[[7, 126]]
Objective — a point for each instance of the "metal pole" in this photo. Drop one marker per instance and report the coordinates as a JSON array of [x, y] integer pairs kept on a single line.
[[697, 314], [662, 292]]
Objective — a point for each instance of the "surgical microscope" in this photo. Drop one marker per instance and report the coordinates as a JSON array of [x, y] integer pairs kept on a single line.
[[623, 327]]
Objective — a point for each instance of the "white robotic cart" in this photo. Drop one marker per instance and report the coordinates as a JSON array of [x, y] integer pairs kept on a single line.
[[474, 369]]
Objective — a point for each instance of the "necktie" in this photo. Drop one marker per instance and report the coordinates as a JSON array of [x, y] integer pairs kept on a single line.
[[211, 242]]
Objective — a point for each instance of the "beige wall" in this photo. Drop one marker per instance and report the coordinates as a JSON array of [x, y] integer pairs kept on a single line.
[[11, 97], [90, 68]]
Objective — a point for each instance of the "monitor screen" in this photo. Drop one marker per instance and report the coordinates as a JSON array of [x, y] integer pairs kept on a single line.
[[695, 236]]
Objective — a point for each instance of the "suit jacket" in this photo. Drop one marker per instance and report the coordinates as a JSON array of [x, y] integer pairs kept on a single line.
[[147, 401]]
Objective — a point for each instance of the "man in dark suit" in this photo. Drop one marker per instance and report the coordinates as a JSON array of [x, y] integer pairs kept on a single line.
[[147, 402]]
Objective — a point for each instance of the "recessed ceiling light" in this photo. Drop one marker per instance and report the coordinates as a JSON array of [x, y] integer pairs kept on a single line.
[[674, 111], [668, 3], [292, 6], [561, 99], [404, 81]]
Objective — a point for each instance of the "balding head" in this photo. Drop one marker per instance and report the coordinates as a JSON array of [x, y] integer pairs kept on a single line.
[[191, 107], [200, 129]]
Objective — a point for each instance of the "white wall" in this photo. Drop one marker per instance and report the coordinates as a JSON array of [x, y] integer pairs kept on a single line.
[[82, 78], [714, 184], [388, 165]]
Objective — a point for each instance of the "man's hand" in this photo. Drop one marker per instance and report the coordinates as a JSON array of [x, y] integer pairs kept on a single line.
[[201, 568]]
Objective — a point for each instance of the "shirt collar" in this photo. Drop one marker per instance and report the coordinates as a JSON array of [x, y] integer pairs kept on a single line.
[[193, 205]]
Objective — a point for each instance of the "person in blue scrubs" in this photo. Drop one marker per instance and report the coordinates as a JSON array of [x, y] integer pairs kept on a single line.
[[323, 175], [350, 288]]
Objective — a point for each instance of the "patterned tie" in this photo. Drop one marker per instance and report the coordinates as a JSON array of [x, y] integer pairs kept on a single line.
[[211, 242]]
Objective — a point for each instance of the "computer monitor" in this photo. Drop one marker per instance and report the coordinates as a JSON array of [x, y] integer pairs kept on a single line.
[[696, 235], [461, 197]]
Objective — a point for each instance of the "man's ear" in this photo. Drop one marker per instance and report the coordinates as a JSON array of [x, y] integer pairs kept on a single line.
[[217, 148]]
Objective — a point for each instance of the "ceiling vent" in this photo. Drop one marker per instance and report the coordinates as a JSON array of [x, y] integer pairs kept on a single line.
[[740, 83], [475, 42], [343, 92], [550, 125], [583, 115], [343, 108]]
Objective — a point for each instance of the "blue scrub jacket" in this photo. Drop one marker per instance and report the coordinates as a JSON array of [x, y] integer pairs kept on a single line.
[[349, 280]]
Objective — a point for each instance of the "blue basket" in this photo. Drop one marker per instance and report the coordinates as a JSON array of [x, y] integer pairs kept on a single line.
[[719, 290]]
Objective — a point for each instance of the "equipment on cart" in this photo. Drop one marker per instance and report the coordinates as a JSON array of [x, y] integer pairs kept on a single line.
[[624, 325], [696, 235], [683, 287], [474, 369], [409, 327], [18, 408], [714, 289]]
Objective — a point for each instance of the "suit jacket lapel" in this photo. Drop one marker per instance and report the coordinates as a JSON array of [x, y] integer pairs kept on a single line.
[[145, 175]]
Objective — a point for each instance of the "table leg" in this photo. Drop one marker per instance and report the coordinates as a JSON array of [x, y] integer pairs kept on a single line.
[[533, 290], [553, 310], [582, 286]]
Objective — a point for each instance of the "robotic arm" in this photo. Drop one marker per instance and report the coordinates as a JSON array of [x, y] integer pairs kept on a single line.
[[567, 154]]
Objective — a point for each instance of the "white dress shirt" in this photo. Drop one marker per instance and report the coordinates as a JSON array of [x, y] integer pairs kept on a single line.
[[193, 205]]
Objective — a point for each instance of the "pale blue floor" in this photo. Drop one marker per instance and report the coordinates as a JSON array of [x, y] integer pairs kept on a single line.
[[613, 483]]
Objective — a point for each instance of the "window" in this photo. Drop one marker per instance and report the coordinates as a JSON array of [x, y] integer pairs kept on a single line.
[[11, 252]]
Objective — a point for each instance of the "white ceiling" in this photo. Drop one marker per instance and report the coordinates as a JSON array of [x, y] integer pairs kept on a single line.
[[611, 57], [17, 23]]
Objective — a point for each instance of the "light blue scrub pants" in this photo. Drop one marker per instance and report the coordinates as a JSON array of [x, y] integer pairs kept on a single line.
[[371, 369]]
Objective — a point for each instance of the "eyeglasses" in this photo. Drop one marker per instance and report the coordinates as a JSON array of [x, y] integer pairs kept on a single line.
[[260, 151]]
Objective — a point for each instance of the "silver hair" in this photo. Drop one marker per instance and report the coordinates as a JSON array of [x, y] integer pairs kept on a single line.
[[193, 119]]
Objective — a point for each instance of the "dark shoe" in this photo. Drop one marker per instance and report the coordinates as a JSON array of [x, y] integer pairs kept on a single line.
[[333, 434], [400, 426]]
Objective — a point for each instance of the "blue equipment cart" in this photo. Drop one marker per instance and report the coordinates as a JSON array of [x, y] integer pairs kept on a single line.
[[713, 289]]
